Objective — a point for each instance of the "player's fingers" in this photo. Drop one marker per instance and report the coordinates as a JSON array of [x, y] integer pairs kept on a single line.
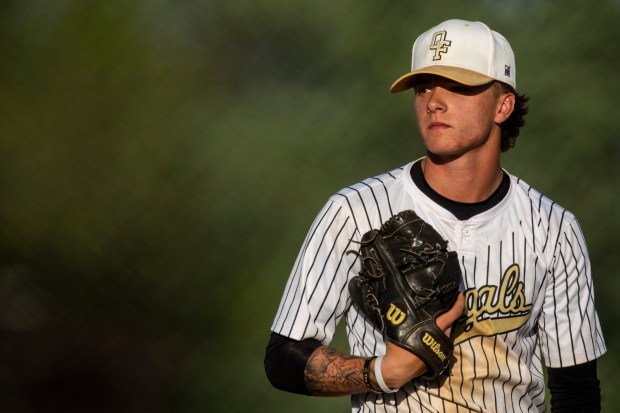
[[445, 320]]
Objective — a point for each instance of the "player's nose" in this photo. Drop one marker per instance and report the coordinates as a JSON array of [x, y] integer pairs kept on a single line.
[[435, 101]]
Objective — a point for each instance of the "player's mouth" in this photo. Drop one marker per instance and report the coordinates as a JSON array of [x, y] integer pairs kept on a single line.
[[436, 126]]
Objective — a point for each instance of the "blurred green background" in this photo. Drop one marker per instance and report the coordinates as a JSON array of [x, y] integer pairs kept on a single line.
[[161, 162]]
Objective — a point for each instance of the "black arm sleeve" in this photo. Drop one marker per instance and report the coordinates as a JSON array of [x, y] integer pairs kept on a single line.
[[575, 389], [285, 362]]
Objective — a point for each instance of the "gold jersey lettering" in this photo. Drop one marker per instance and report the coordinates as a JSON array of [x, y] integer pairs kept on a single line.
[[494, 309]]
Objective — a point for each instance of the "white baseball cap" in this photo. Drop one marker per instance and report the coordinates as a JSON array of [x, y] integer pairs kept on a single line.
[[465, 51]]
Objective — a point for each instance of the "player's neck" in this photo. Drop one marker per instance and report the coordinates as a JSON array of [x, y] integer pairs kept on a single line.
[[463, 179]]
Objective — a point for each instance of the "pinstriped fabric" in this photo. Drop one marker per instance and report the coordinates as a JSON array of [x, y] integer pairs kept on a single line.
[[527, 282]]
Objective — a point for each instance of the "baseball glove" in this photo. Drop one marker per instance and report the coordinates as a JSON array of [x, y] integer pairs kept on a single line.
[[408, 278]]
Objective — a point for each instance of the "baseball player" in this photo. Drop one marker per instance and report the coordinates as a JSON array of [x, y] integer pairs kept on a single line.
[[527, 308]]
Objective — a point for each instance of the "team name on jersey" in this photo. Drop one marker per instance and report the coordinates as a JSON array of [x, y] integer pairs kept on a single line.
[[493, 309]]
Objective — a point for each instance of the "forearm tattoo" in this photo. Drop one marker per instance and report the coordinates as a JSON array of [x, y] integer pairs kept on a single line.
[[330, 372]]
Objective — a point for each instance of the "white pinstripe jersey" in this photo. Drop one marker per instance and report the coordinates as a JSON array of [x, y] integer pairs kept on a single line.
[[528, 290]]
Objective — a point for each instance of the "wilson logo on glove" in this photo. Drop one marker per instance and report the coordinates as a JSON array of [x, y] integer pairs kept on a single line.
[[434, 346], [395, 315]]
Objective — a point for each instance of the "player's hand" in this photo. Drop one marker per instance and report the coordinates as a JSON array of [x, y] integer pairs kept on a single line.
[[446, 320], [400, 366]]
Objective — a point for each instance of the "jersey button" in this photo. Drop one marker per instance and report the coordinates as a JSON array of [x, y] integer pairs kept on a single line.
[[466, 232]]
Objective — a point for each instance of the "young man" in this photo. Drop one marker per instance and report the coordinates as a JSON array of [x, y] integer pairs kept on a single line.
[[528, 297]]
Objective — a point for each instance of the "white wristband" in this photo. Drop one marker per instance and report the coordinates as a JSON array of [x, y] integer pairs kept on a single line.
[[379, 377]]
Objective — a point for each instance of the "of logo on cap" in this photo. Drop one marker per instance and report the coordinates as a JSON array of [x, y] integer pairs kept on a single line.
[[440, 44]]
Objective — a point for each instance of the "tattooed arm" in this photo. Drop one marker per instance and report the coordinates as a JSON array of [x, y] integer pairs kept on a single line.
[[307, 367], [330, 372]]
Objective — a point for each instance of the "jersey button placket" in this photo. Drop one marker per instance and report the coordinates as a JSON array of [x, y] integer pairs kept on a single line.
[[467, 239]]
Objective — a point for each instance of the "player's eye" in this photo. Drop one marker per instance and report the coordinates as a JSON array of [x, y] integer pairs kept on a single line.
[[468, 90], [419, 90], [464, 90]]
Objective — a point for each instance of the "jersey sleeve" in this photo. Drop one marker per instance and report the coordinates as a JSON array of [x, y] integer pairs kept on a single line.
[[316, 294], [569, 328]]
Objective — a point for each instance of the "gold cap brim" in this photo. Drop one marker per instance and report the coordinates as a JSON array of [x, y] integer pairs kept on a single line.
[[458, 74]]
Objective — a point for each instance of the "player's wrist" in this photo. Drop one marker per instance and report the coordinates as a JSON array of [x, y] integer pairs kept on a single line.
[[368, 375], [372, 375], [378, 372], [399, 366]]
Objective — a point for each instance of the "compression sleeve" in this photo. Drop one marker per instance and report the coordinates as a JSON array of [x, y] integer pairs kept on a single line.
[[575, 389], [285, 362]]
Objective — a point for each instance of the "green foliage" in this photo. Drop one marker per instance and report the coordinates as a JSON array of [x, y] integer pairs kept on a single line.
[[161, 162]]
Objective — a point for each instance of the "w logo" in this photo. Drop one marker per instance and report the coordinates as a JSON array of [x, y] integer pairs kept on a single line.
[[395, 315]]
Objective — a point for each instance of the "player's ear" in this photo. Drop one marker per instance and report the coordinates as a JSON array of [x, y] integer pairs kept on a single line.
[[505, 106]]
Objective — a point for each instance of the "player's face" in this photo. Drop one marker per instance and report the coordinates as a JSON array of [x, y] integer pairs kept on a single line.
[[454, 119]]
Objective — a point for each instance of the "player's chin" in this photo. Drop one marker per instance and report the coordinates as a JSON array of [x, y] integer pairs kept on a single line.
[[449, 147], [444, 154], [442, 145]]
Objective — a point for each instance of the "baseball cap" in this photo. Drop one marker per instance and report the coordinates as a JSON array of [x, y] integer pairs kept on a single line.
[[467, 52]]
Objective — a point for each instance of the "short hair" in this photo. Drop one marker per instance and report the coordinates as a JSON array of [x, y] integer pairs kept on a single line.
[[511, 126]]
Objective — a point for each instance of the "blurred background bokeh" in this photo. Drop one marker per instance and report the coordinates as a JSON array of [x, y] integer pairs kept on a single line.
[[161, 161]]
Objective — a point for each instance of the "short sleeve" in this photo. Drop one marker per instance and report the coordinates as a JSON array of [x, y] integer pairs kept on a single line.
[[316, 294], [569, 328]]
